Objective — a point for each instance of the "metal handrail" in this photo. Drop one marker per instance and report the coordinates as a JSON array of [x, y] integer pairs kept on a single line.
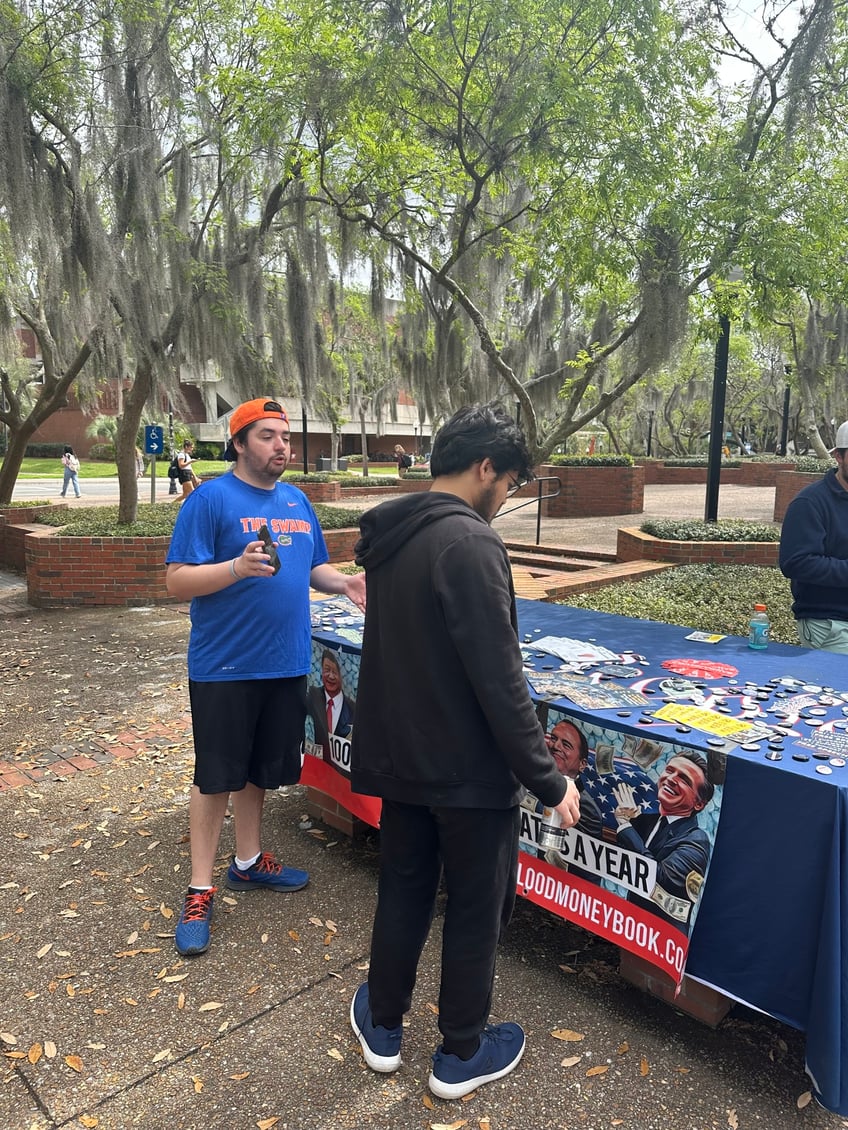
[[537, 501]]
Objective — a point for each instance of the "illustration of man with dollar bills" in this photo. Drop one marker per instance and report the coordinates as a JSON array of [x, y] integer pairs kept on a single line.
[[672, 837]]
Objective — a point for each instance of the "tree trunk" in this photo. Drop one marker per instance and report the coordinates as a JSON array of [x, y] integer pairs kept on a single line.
[[16, 449], [364, 434], [334, 447], [125, 441]]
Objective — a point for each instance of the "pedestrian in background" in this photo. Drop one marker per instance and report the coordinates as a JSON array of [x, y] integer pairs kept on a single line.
[[139, 463], [70, 471], [446, 734], [188, 479]]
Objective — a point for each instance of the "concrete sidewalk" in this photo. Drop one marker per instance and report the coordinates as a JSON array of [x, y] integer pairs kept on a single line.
[[755, 504], [104, 1025]]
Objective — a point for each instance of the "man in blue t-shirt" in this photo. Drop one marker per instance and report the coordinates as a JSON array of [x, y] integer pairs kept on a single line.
[[245, 550]]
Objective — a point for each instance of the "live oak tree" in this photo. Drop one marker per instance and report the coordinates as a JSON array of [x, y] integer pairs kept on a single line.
[[134, 230], [555, 181]]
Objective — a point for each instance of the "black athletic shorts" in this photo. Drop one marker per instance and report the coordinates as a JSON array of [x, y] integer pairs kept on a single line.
[[247, 730]]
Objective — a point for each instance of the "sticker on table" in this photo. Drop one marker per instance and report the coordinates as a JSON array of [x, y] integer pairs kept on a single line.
[[827, 741], [619, 671], [700, 668], [705, 637], [705, 720], [681, 688], [603, 697]]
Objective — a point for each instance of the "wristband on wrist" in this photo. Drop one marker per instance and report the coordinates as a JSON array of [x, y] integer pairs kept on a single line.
[[233, 569]]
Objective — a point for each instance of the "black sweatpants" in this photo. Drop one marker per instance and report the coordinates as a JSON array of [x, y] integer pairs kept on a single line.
[[478, 850]]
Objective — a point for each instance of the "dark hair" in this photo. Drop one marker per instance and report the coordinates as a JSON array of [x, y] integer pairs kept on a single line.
[[331, 657], [582, 740], [475, 433], [68, 450], [707, 788]]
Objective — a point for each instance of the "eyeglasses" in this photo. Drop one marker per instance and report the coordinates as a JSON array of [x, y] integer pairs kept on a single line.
[[515, 485]]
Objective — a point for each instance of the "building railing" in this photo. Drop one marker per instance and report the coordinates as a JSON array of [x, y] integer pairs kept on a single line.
[[536, 501]]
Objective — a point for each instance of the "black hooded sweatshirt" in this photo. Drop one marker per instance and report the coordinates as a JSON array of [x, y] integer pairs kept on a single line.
[[443, 713]]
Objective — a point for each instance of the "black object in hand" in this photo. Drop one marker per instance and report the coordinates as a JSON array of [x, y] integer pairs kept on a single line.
[[265, 537]]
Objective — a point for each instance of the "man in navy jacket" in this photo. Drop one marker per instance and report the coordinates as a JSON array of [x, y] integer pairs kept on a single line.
[[814, 555]]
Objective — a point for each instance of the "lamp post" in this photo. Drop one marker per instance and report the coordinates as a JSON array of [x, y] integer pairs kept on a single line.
[[722, 355], [650, 430]]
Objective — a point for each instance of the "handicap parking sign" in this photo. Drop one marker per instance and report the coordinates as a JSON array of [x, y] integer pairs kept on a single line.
[[154, 439]]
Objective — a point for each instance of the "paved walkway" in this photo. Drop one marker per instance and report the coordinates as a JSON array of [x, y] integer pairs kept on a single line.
[[104, 1026]]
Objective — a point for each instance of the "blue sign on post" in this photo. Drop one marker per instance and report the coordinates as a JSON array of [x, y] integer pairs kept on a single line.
[[154, 439]]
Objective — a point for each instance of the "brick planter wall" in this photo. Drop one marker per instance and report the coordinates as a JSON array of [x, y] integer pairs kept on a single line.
[[94, 571], [128, 572], [633, 545], [786, 487], [340, 544], [321, 492], [12, 518], [747, 475], [589, 492]]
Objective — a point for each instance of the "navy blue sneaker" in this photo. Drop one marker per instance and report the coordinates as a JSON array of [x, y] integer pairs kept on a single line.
[[501, 1048], [380, 1046], [266, 872], [192, 934]]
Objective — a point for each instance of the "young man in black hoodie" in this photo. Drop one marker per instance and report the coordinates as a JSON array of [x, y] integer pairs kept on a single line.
[[446, 734]]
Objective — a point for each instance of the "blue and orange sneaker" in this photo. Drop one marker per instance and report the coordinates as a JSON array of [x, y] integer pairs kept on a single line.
[[192, 933], [266, 872]]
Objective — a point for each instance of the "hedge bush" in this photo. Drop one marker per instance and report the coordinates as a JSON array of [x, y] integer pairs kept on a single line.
[[591, 460], [44, 451], [812, 465], [709, 598], [157, 520], [700, 461], [102, 453], [726, 529]]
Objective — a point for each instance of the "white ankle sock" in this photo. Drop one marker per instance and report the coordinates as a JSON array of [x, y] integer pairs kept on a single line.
[[243, 864]]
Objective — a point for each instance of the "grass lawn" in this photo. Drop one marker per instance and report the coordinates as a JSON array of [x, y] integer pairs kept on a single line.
[[94, 469]]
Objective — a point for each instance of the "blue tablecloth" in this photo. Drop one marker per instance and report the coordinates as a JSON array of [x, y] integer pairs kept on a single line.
[[774, 911]]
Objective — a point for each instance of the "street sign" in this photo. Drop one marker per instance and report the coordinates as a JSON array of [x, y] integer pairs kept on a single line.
[[154, 439]]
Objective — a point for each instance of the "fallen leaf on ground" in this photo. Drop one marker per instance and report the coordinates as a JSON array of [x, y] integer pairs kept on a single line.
[[624, 1048], [44, 950], [570, 1060], [8, 1038], [74, 1062], [732, 1120], [567, 1035], [210, 1006], [35, 1053], [89, 1121], [428, 1102], [49, 1049], [239, 1076], [198, 1084], [161, 1055], [267, 1123], [485, 1124], [643, 1066], [336, 1054], [601, 1069], [804, 1100], [460, 1122]]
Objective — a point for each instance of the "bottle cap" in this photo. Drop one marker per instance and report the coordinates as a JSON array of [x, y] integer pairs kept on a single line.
[[759, 608]]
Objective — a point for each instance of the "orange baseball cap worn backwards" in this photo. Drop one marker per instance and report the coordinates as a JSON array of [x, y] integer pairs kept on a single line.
[[253, 410]]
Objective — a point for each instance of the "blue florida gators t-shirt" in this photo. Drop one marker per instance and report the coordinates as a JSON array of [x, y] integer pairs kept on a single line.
[[259, 627]]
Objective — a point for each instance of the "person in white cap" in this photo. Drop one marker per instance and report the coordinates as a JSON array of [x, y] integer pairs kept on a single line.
[[245, 551], [814, 555]]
